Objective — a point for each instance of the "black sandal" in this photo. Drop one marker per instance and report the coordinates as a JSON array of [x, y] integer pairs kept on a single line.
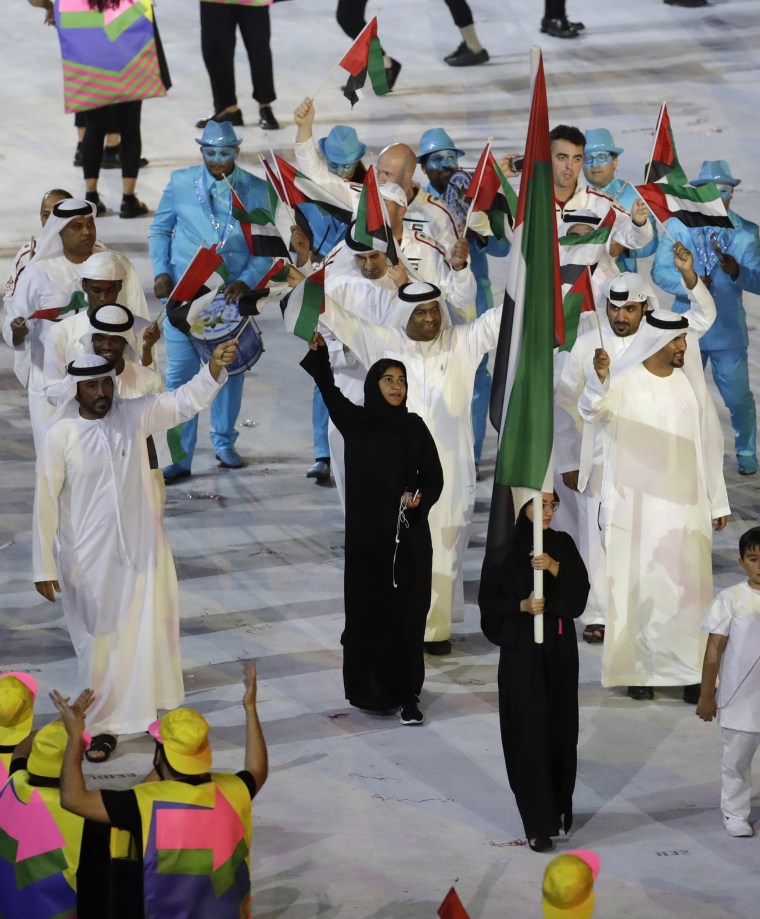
[[594, 634], [100, 743]]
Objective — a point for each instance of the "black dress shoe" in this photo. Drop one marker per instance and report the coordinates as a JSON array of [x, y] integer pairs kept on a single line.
[[465, 57], [691, 693], [392, 72], [235, 118], [692, 4], [267, 121], [319, 471], [639, 693], [541, 844], [131, 206], [578, 26], [558, 28]]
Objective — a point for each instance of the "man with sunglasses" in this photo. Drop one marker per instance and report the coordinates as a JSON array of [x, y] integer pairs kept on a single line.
[[600, 162]]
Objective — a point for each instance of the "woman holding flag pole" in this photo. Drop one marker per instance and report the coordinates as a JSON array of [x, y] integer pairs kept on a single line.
[[542, 577]]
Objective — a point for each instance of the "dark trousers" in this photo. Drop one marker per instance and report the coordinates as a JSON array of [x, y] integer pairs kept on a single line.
[[554, 9], [350, 15], [218, 24], [461, 12], [122, 118]]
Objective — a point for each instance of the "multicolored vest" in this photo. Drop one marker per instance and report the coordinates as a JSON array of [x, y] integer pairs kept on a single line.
[[39, 852], [196, 845], [6, 755], [107, 57]]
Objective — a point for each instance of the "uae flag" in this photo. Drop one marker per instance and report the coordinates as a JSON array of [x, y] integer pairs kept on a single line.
[[372, 226], [77, 303], [302, 306], [365, 58], [694, 207], [577, 251], [258, 226], [294, 189], [490, 192], [203, 278], [452, 907], [579, 299], [663, 165], [522, 391]]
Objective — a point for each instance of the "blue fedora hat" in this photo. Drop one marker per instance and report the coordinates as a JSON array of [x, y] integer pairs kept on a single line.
[[599, 140], [715, 171], [219, 134], [342, 145], [433, 140]]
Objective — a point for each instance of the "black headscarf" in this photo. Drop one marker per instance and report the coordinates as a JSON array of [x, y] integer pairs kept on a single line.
[[375, 402]]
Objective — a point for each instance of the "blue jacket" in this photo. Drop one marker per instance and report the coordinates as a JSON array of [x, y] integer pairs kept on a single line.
[[182, 222], [730, 328]]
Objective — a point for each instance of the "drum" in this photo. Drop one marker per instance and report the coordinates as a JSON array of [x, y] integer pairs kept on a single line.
[[221, 322]]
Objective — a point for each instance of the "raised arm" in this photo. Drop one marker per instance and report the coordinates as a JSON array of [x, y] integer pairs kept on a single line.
[[256, 758], [75, 796], [343, 412]]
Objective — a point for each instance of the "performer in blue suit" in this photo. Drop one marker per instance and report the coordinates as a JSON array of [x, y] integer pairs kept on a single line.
[[600, 162], [729, 262], [196, 205]]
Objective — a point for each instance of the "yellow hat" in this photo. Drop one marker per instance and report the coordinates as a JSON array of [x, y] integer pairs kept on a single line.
[[184, 734], [46, 757], [568, 888], [17, 692]]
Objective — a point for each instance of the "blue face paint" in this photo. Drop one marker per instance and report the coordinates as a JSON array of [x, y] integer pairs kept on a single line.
[[443, 159], [725, 191], [340, 169], [213, 156], [597, 159]]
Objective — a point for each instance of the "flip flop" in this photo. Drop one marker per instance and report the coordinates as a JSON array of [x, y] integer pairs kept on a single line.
[[594, 634], [101, 743]]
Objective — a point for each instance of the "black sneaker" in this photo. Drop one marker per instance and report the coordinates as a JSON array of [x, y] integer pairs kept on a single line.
[[559, 28], [410, 714], [235, 119], [78, 156], [640, 693], [467, 58], [456, 52], [267, 121]]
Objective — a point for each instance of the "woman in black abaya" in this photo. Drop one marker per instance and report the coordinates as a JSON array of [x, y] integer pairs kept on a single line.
[[393, 478], [538, 683]]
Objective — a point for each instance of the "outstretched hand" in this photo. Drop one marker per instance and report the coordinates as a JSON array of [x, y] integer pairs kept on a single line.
[[249, 681], [72, 716]]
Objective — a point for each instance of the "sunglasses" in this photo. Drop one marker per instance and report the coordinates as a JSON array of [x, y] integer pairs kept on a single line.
[[597, 159]]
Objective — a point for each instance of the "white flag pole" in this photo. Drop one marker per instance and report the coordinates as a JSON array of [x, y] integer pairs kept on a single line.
[[538, 575]]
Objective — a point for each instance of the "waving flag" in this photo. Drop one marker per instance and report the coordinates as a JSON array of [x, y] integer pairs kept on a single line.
[[53, 313], [522, 391], [579, 299], [580, 250], [261, 234], [302, 306], [197, 287], [372, 227], [365, 58], [663, 164], [694, 207], [490, 192], [295, 188], [452, 907]]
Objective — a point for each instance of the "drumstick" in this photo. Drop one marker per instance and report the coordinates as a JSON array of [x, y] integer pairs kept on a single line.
[[245, 326]]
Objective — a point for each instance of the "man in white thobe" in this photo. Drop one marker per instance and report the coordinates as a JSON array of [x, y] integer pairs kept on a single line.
[[49, 282], [578, 446], [662, 493], [98, 540], [441, 361]]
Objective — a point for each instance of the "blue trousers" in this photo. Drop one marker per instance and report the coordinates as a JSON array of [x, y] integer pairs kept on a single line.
[[182, 365], [319, 419], [729, 370], [481, 398]]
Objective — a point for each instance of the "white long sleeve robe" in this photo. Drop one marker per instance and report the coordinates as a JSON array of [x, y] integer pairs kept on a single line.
[[96, 531]]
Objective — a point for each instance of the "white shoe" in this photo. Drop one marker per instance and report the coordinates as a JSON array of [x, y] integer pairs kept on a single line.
[[735, 826]]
